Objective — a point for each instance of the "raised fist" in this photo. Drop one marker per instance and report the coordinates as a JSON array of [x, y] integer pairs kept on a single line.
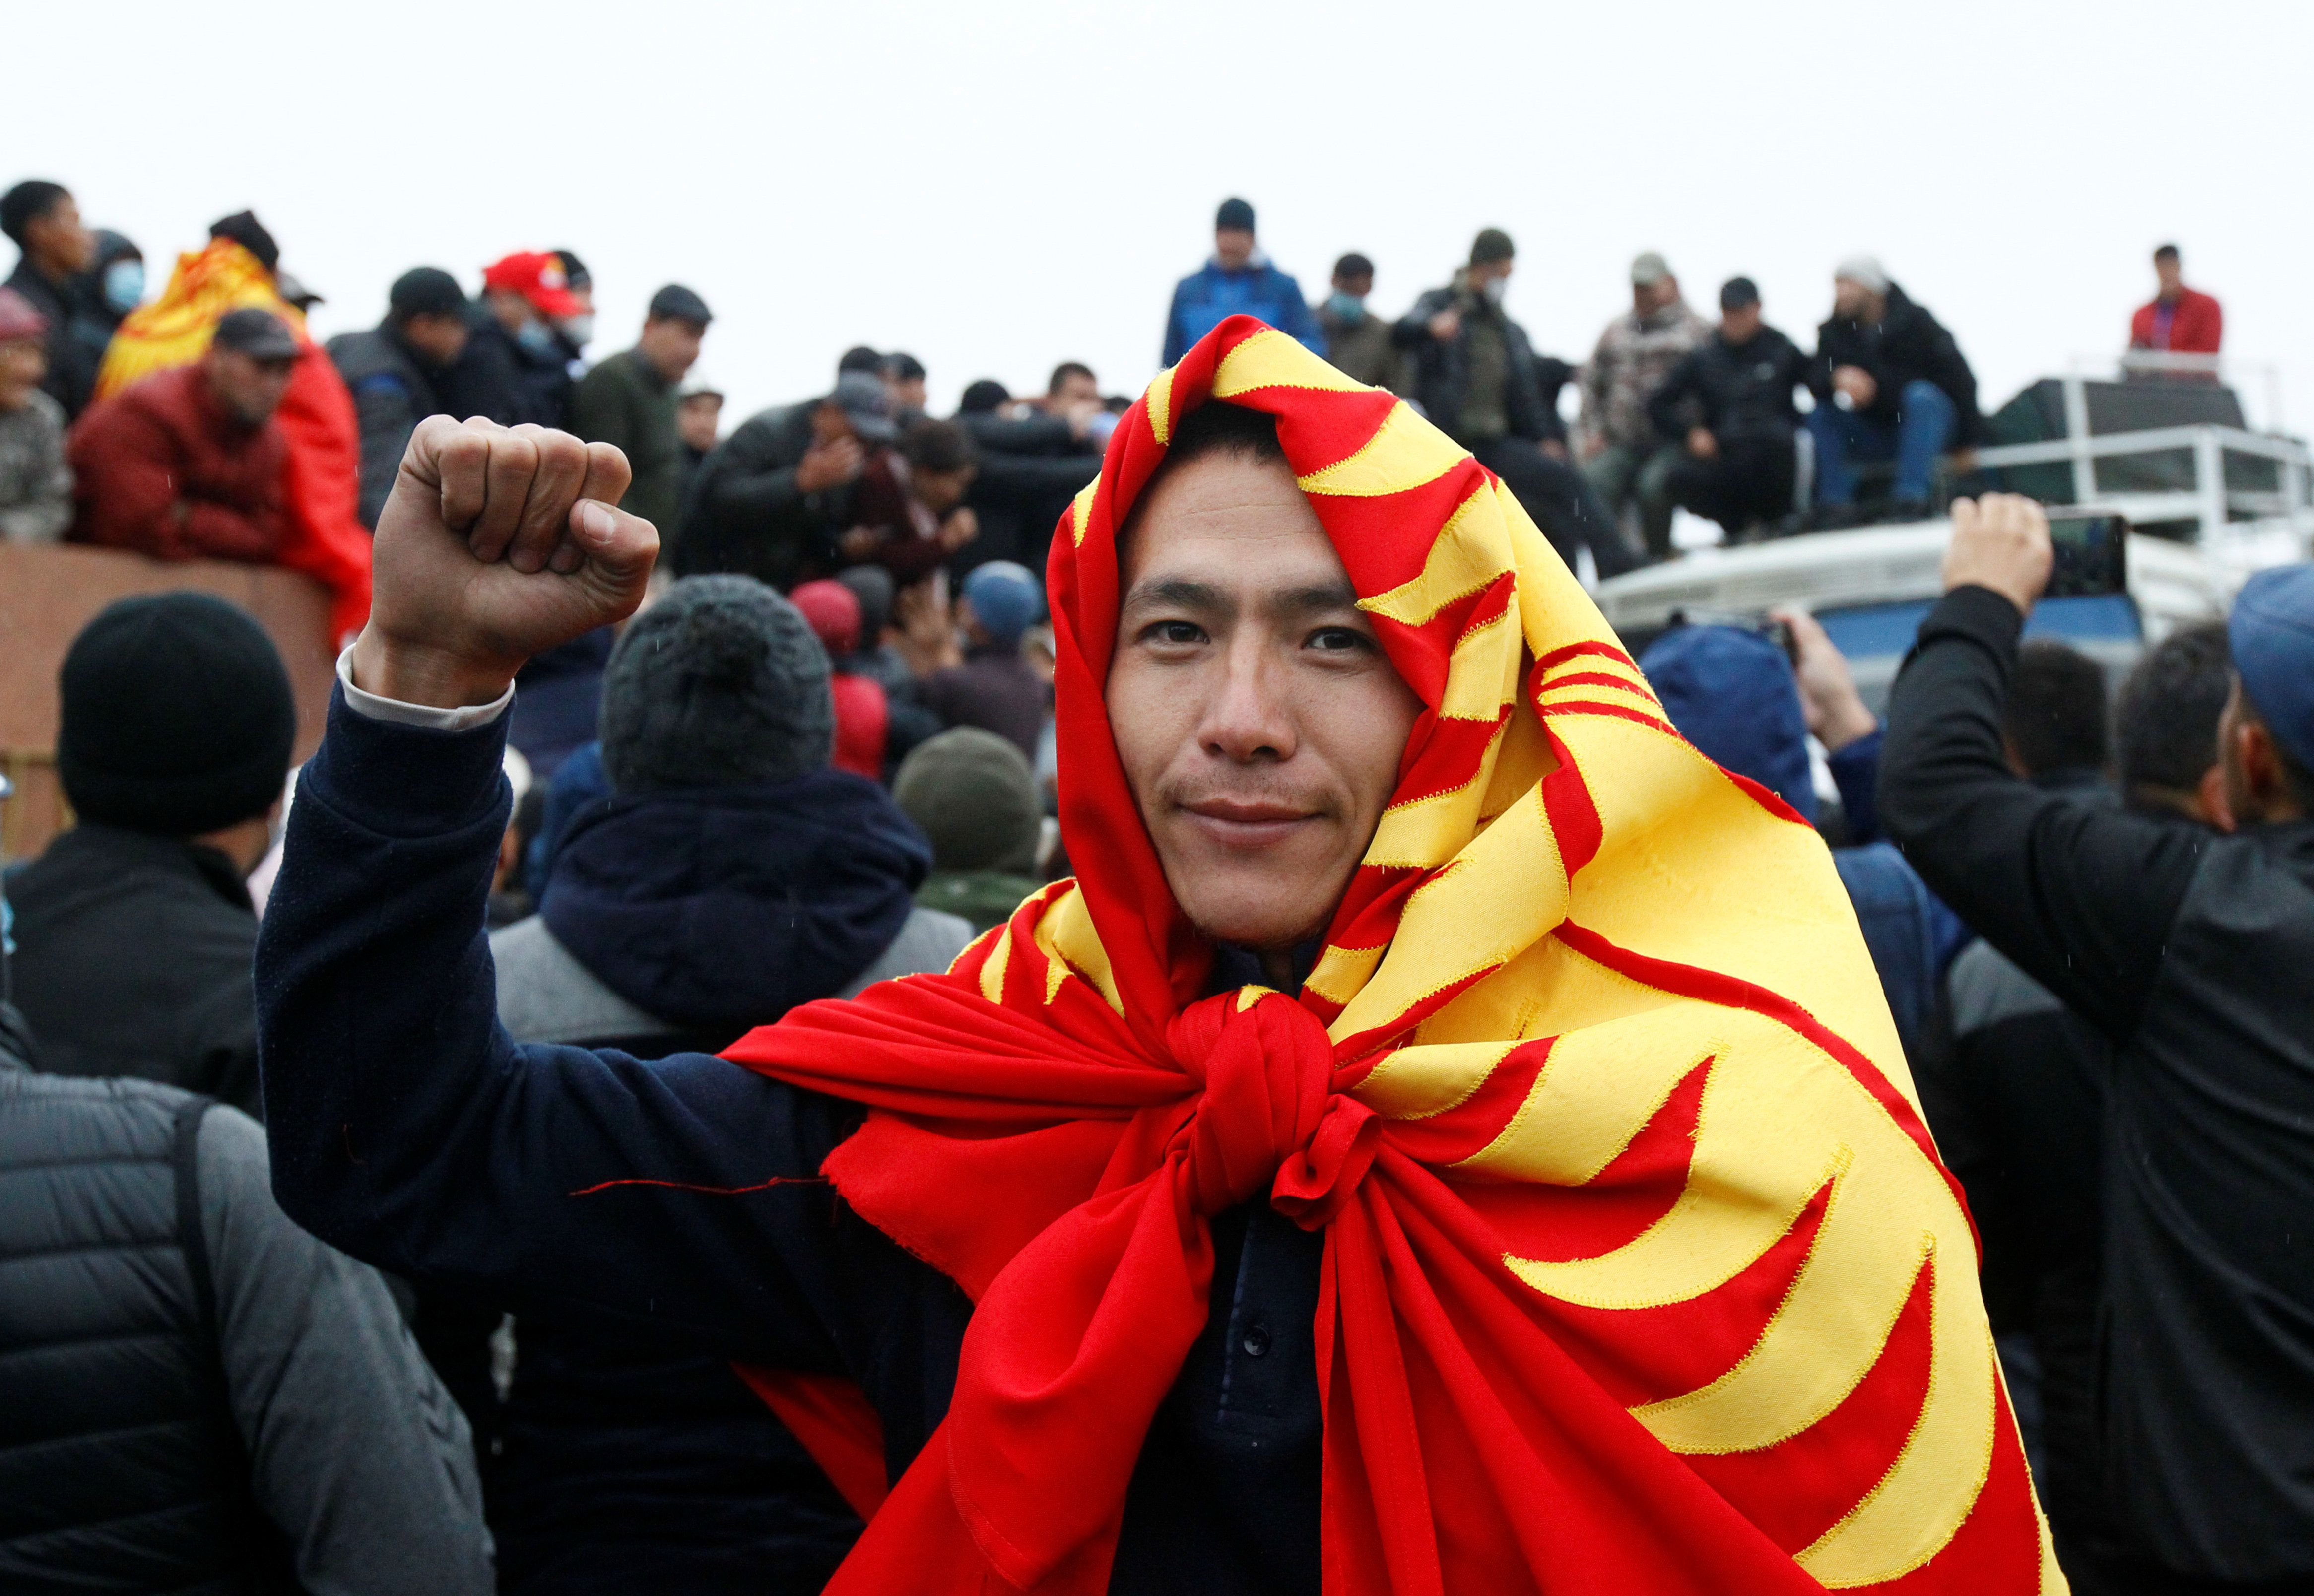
[[497, 543]]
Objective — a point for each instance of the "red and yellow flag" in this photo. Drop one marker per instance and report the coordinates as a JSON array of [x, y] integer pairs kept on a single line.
[[1642, 1272]]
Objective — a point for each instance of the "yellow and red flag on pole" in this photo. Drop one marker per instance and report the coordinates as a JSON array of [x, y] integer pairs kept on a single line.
[[1642, 1272], [322, 476]]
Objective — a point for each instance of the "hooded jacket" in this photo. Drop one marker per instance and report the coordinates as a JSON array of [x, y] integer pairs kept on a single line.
[[1212, 294]]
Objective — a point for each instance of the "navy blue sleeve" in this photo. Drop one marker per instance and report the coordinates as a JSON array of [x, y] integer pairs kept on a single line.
[[1856, 772], [408, 1129]]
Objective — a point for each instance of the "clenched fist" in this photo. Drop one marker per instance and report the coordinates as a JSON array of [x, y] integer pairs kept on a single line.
[[497, 543]]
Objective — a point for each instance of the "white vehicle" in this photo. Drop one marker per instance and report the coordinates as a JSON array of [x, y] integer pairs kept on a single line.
[[2229, 501]]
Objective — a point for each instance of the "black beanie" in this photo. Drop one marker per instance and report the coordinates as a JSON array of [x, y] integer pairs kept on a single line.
[[178, 718], [719, 683]]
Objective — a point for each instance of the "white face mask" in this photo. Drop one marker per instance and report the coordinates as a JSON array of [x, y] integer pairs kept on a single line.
[[1495, 288], [578, 328]]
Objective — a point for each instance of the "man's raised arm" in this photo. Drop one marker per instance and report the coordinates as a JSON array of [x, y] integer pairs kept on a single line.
[[2080, 896], [406, 1127]]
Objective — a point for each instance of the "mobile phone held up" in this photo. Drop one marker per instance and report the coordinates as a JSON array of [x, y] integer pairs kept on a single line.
[[2092, 554]]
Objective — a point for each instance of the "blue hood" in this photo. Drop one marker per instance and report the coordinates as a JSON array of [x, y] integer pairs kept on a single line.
[[720, 908], [1731, 693]]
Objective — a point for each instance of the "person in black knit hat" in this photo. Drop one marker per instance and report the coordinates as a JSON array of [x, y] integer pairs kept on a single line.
[[134, 930]]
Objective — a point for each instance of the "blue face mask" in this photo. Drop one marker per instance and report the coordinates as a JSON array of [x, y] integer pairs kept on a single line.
[[1346, 307], [538, 338], [124, 285]]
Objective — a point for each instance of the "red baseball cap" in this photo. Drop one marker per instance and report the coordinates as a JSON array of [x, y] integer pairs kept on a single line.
[[536, 275]]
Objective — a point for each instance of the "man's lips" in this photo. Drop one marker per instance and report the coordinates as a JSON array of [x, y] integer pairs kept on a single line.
[[1247, 823]]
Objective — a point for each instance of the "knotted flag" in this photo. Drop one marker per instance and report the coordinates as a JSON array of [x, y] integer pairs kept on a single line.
[[1640, 1270]]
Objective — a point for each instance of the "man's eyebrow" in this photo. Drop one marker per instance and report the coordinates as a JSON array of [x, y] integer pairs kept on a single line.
[[1314, 598], [1176, 593]]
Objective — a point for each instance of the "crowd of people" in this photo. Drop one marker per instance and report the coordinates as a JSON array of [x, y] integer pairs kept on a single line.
[[647, 735]]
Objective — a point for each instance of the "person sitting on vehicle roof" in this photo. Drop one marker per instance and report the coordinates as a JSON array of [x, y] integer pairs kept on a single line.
[[1739, 456], [1890, 384]]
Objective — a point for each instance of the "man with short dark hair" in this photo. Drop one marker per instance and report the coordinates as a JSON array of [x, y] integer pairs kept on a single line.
[[397, 370], [630, 400], [2188, 950], [42, 220], [1071, 389], [1627, 455], [1448, 1137], [188, 465], [2177, 320], [774, 497], [1239, 280], [1480, 382], [906, 375], [2054, 723], [2166, 726], [1890, 384], [1729, 403], [1358, 343]]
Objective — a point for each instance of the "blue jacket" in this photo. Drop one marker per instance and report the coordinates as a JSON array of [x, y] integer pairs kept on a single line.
[[1208, 296]]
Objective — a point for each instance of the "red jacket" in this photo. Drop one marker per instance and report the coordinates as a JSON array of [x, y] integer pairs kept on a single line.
[[2196, 325], [162, 469]]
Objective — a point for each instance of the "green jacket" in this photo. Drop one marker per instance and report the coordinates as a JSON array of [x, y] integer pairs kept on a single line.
[[625, 401]]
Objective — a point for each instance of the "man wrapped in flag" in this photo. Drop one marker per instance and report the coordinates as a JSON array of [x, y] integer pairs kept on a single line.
[[1448, 1138]]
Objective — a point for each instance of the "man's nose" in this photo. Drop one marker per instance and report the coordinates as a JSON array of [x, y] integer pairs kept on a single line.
[[1248, 717]]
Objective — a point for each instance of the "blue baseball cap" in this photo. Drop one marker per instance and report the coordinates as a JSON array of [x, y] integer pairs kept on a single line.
[[1005, 599], [2272, 633], [1731, 693]]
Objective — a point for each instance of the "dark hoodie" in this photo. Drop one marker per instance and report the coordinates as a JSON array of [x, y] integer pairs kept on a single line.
[[629, 1464], [721, 908]]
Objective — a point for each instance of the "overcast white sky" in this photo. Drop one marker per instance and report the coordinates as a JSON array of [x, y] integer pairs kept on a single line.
[[998, 186]]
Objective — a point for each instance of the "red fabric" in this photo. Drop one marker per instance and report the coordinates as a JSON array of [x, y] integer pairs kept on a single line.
[[159, 468], [2196, 325], [862, 721], [831, 1418], [322, 484]]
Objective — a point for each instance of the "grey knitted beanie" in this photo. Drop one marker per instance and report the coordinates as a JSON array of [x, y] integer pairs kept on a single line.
[[719, 683]]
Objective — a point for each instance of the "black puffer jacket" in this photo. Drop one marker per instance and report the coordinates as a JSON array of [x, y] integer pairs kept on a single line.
[[115, 1310]]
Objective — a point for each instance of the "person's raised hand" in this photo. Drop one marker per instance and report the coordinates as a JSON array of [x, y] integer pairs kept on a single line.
[[830, 464], [1701, 444], [2001, 542], [1835, 712], [497, 543], [1445, 325]]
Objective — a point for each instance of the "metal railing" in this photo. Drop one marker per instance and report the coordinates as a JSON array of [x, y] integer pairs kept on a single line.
[[2207, 499]]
